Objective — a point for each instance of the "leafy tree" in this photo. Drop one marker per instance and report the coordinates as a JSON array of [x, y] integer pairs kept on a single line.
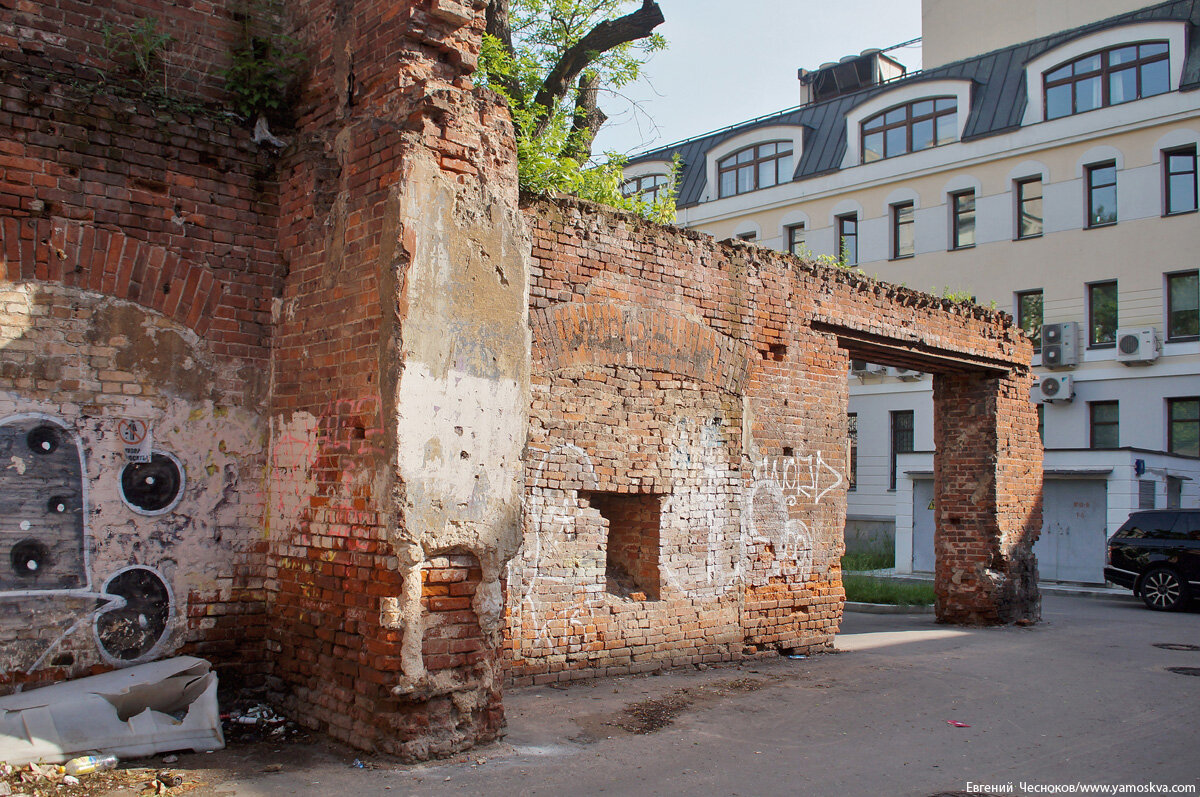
[[551, 59]]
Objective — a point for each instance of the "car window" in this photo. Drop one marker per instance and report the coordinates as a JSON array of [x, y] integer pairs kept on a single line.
[[1189, 524], [1150, 525]]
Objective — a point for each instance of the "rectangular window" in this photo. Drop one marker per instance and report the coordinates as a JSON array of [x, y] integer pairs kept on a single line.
[[1183, 305], [902, 440], [1183, 426], [903, 226], [1179, 180], [795, 239], [848, 238], [1105, 424], [962, 223], [1029, 208], [1102, 194], [852, 435], [1102, 314], [1029, 316]]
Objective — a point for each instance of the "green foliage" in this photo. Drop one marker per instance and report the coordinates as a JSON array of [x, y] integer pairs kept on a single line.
[[263, 65], [958, 297], [868, 560], [842, 261], [548, 151], [139, 49], [866, 589], [261, 73]]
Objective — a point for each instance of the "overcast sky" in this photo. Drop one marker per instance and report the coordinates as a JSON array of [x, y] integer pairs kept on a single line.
[[727, 62]]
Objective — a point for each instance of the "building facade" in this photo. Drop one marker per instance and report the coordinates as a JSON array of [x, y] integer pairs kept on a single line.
[[1053, 178]]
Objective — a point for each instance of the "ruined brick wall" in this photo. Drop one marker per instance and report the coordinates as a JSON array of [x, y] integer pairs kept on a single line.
[[685, 486], [399, 387], [137, 281], [93, 41]]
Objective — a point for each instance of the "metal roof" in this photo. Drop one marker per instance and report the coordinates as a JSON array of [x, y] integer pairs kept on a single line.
[[997, 105]]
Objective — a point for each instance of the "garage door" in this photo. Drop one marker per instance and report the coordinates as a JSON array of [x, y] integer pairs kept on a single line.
[[1071, 547]]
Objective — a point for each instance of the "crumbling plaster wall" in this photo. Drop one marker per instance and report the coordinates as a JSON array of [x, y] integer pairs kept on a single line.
[[400, 384]]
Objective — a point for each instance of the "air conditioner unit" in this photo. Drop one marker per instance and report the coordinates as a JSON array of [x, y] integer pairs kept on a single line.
[[1055, 388], [1059, 343], [905, 374], [1137, 345], [864, 368]]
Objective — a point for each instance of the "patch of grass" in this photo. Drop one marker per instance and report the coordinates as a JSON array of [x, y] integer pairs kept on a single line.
[[869, 560], [865, 589]]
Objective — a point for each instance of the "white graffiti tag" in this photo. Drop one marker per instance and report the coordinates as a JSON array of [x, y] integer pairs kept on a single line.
[[808, 476]]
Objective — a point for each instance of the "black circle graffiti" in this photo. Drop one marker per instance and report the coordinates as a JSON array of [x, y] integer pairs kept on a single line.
[[58, 505], [131, 632], [43, 439], [151, 486], [29, 557]]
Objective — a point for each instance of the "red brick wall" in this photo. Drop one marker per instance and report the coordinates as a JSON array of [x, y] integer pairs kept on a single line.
[[714, 375], [139, 266]]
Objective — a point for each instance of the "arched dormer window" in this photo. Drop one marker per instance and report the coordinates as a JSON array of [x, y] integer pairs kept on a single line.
[[1107, 77], [754, 167], [645, 187], [910, 127]]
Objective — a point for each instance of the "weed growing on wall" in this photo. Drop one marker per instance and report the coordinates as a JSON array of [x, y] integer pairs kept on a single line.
[[140, 49]]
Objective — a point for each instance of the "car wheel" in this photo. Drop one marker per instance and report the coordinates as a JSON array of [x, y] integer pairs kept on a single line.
[[1163, 590]]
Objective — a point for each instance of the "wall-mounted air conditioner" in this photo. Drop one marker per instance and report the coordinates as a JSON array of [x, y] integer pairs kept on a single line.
[[905, 374], [1137, 345], [1059, 345], [864, 368], [1054, 388]]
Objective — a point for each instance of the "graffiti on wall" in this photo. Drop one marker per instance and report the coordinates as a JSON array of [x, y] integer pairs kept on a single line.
[[45, 548]]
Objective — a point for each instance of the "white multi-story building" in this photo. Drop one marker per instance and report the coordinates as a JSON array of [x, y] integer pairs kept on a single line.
[[1053, 176]]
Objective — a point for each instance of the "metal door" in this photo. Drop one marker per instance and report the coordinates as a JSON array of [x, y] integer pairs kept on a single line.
[[1071, 547], [923, 524]]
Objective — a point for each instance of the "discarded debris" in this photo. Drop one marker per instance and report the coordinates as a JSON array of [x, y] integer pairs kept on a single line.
[[169, 779], [87, 764], [957, 724], [139, 711]]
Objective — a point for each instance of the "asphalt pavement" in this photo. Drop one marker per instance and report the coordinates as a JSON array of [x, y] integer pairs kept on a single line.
[[905, 707]]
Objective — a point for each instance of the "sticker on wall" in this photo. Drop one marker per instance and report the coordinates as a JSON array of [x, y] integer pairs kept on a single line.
[[137, 439], [132, 631], [41, 506], [154, 487]]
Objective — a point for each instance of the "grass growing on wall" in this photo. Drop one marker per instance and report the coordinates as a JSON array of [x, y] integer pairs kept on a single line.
[[866, 589]]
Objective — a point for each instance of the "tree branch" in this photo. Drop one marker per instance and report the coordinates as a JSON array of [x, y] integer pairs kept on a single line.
[[587, 120], [600, 39]]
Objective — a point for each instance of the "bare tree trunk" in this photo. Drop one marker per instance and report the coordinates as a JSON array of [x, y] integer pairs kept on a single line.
[[588, 118]]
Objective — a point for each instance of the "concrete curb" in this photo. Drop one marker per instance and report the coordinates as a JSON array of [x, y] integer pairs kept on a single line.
[[886, 608]]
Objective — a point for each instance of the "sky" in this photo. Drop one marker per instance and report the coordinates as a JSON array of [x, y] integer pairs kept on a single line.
[[728, 62]]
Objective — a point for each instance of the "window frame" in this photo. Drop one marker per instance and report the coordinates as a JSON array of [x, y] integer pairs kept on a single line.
[[1021, 200], [895, 440], [1170, 328], [729, 165], [1167, 154], [1104, 73], [1171, 423], [1094, 426], [958, 216], [907, 123], [843, 220], [852, 451], [897, 223], [1091, 187], [790, 237], [1036, 338], [1092, 287], [642, 192]]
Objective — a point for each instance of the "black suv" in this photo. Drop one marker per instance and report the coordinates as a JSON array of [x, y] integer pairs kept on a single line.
[[1156, 553]]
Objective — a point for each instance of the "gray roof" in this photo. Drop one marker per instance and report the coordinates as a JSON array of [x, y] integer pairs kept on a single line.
[[997, 105]]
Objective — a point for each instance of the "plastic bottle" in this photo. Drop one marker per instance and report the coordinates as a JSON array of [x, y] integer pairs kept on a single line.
[[91, 763]]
